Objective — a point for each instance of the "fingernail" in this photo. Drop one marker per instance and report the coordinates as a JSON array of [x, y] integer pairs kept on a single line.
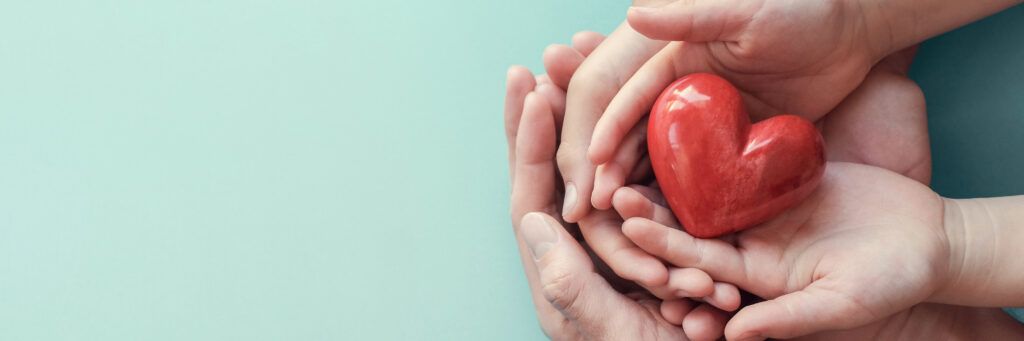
[[538, 234], [570, 198]]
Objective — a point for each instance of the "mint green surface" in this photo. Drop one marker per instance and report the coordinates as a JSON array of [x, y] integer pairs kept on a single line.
[[318, 170]]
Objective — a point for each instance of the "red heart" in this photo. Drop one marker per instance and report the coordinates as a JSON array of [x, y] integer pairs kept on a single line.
[[719, 173]]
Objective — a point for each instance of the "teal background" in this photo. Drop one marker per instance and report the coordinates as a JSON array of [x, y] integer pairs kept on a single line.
[[322, 170]]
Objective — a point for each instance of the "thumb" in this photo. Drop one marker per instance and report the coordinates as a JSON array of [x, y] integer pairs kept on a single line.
[[692, 20], [568, 279], [799, 313]]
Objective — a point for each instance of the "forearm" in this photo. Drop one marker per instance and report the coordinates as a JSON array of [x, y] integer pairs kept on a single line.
[[896, 24], [986, 238]]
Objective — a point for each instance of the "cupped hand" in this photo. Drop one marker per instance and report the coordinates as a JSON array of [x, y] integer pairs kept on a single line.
[[800, 57], [867, 244], [590, 89], [700, 321], [573, 301]]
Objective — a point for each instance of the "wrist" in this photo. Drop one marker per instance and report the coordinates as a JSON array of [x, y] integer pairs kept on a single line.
[[984, 237], [954, 229]]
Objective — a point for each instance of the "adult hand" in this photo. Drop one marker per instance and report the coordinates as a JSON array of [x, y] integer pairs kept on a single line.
[[797, 57], [573, 300], [700, 321]]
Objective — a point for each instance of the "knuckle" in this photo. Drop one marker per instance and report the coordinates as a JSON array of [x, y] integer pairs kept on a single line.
[[560, 288]]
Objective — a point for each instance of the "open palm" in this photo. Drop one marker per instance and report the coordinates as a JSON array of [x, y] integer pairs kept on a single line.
[[868, 243]]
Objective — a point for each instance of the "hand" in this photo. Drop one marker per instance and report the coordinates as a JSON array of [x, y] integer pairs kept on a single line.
[[796, 57], [590, 90], [700, 322], [934, 322], [603, 232], [883, 122], [867, 244], [573, 301]]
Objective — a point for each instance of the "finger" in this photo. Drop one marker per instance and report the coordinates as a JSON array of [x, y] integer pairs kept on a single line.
[[799, 313], [705, 323], [519, 82], [542, 79], [591, 88], [725, 297], [534, 166], [690, 282], [719, 259], [556, 97], [693, 21], [585, 42], [568, 280], [612, 175], [635, 99], [603, 232], [631, 203], [535, 192], [674, 311], [561, 62]]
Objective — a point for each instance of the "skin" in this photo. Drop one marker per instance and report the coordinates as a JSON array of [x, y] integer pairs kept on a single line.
[[831, 248], [598, 78], [573, 300], [797, 56], [838, 262], [593, 93], [703, 321]]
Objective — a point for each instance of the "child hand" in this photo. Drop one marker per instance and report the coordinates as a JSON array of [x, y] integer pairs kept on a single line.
[[868, 243]]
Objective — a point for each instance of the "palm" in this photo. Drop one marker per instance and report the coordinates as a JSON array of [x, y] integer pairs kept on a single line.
[[760, 47], [860, 217], [828, 259]]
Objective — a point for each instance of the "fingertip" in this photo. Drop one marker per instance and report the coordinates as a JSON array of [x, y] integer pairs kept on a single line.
[[532, 102], [586, 41], [652, 274], [516, 70], [554, 96], [674, 311], [561, 62], [704, 323], [607, 181], [628, 202], [631, 226], [598, 153], [691, 282], [740, 327], [634, 228], [646, 21], [579, 189], [724, 296]]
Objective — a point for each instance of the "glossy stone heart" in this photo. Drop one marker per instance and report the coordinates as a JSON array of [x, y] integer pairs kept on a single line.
[[719, 173]]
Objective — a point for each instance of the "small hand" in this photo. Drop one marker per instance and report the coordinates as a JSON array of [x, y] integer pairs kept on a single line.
[[591, 88], [867, 244], [934, 322]]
